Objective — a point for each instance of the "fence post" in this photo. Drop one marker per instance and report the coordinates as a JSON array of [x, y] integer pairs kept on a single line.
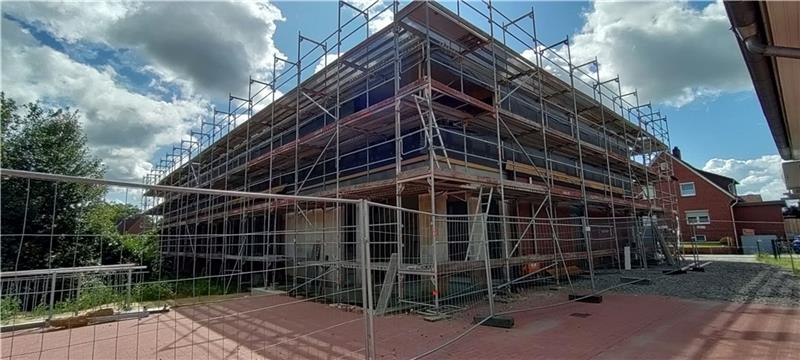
[[642, 246], [52, 296], [695, 252], [130, 280], [486, 262], [774, 248], [362, 226], [587, 237]]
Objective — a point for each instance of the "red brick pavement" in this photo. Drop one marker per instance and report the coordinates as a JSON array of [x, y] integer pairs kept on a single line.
[[622, 327]]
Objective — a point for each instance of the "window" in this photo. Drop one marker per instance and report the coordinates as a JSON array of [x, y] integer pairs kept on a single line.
[[699, 238], [648, 192], [697, 217], [687, 189]]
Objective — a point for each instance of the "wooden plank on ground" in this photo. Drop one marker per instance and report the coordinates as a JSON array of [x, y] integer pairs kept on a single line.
[[388, 285]]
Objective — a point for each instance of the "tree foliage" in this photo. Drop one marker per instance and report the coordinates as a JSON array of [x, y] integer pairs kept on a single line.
[[114, 241], [36, 138], [48, 224]]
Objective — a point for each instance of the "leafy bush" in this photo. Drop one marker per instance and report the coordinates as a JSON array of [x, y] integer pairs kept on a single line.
[[102, 219], [201, 287], [9, 307], [95, 293], [41, 309], [171, 289], [152, 292]]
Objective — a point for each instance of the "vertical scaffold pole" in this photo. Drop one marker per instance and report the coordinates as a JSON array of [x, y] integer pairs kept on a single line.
[[337, 160], [606, 136], [431, 159], [362, 224], [487, 264], [646, 187], [398, 150], [585, 226], [296, 184], [500, 172]]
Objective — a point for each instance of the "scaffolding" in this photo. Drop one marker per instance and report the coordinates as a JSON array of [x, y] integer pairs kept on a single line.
[[435, 115]]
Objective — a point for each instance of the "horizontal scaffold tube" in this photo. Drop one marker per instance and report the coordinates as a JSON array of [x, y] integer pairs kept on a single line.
[[165, 188]]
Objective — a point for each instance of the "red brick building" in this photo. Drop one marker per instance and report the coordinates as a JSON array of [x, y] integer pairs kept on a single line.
[[709, 209], [761, 218]]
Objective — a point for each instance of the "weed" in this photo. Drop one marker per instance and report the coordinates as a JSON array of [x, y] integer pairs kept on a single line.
[[9, 307], [785, 261]]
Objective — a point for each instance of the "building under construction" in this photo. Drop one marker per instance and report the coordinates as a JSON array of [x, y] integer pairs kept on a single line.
[[442, 122]]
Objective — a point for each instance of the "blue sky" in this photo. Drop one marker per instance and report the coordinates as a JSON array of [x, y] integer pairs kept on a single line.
[[144, 74]]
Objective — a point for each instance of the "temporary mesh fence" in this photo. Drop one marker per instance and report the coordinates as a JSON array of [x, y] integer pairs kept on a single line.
[[106, 269], [109, 269], [773, 240]]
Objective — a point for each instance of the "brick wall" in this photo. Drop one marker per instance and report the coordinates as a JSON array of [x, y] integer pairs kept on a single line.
[[764, 218], [707, 197]]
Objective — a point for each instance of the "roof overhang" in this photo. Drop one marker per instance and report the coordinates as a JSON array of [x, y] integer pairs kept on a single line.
[[768, 34]]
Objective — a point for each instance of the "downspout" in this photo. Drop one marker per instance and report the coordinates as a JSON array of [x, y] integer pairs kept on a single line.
[[745, 20], [733, 221], [755, 46]]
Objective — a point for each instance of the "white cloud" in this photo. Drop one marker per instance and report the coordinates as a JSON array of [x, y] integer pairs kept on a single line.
[[325, 61], [671, 52], [380, 13], [265, 98], [762, 175], [124, 128], [72, 21], [208, 47]]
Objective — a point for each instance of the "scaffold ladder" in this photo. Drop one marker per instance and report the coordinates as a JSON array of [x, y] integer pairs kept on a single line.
[[668, 252], [431, 127], [481, 208]]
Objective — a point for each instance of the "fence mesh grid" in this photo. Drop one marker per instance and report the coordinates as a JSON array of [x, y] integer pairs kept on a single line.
[[160, 272]]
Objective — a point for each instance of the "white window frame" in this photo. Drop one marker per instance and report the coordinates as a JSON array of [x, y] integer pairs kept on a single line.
[[694, 189], [693, 217], [648, 192], [696, 238]]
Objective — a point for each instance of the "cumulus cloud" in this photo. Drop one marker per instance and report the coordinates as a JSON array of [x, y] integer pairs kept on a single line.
[[124, 128], [380, 13], [208, 47], [762, 175], [72, 21], [325, 61], [187, 54], [671, 52]]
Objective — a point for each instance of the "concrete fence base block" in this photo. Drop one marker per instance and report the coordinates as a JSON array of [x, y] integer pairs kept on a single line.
[[592, 299], [265, 291], [499, 321]]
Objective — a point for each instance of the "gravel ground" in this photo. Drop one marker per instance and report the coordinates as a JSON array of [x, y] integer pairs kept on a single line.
[[722, 281]]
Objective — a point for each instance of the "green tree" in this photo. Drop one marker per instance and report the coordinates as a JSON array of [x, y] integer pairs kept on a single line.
[[36, 138], [107, 221]]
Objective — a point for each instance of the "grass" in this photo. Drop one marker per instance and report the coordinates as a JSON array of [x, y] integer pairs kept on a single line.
[[784, 262]]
